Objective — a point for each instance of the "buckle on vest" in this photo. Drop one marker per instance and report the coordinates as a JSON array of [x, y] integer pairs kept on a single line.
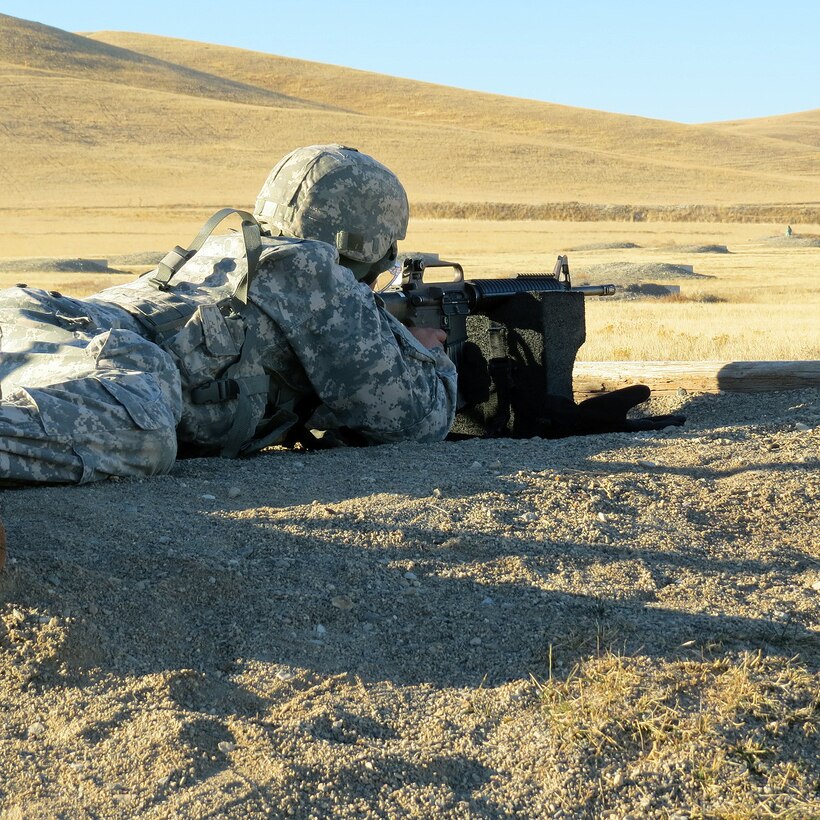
[[215, 391]]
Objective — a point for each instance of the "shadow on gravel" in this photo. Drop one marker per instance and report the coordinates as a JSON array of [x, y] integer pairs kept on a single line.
[[207, 613]]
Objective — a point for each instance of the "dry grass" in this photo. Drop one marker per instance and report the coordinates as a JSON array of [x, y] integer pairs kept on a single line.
[[677, 329], [590, 212], [761, 301], [722, 729]]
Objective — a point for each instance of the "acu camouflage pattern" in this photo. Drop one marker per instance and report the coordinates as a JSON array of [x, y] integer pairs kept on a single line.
[[109, 401], [336, 195], [84, 394]]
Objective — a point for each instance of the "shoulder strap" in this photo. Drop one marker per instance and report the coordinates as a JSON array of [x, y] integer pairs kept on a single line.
[[176, 258]]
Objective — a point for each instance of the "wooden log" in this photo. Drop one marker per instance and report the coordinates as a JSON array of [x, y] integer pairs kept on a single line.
[[590, 378]]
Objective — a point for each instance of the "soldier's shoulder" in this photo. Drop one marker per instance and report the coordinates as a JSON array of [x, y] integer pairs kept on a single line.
[[284, 250]]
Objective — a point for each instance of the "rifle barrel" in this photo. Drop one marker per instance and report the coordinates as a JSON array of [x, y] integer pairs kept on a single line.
[[595, 290]]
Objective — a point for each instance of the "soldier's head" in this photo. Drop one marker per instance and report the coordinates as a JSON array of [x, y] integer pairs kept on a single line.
[[340, 196]]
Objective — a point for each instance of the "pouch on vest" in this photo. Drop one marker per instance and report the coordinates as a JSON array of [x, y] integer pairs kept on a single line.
[[224, 385]]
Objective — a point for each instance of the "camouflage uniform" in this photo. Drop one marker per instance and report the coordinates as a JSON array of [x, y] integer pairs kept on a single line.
[[223, 355], [84, 394], [108, 385]]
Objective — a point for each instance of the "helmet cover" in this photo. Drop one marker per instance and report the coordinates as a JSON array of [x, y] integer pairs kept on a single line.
[[337, 195]]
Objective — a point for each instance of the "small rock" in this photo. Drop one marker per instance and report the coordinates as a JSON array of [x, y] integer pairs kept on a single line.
[[225, 747], [475, 642], [488, 601], [341, 602], [234, 492], [642, 462], [164, 539], [495, 465], [816, 585], [803, 428], [36, 729], [321, 629], [528, 517], [285, 674], [601, 516], [411, 576], [476, 465], [208, 497], [436, 493]]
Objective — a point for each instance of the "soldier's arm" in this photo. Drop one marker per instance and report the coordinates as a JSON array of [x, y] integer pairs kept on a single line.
[[366, 367]]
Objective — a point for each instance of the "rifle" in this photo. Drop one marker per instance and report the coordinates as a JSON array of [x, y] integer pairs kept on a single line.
[[446, 305], [513, 341]]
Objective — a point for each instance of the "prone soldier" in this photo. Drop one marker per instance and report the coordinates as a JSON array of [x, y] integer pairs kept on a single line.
[[230, 345]]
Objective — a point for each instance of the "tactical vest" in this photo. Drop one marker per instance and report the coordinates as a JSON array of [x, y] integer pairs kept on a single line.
[[195, 306]]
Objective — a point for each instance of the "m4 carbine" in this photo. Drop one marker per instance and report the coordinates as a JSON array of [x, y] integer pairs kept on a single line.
[[514, 342], [446, 305]]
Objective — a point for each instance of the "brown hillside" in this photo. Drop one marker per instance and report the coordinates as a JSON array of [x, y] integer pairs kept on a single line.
[[653, 141], [131, 122], [803, 127], [35, 48]]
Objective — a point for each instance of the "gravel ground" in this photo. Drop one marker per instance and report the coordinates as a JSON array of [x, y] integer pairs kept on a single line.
[[610, 626]]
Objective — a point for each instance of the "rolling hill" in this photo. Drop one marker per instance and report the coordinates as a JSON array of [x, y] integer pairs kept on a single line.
[[131, 121], [803, 127]]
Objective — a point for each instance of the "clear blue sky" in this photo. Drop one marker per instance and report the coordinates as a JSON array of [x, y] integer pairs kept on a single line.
[[684, 60]]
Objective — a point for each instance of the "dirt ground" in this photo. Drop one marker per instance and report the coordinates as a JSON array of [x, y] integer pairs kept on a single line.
[[610, 626]]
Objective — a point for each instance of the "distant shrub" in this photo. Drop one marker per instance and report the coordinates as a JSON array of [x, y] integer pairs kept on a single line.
[[700, 298]]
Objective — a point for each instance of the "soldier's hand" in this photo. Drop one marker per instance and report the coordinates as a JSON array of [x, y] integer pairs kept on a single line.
[[430, 337]]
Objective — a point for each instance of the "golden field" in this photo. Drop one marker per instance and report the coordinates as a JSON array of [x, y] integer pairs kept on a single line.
[[115, 143]]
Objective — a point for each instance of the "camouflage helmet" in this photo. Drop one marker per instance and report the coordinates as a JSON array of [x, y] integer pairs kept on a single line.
[[339, 196]]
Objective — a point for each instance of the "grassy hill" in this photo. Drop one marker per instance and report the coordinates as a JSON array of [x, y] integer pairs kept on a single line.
[[803, 127], [128, 121]]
